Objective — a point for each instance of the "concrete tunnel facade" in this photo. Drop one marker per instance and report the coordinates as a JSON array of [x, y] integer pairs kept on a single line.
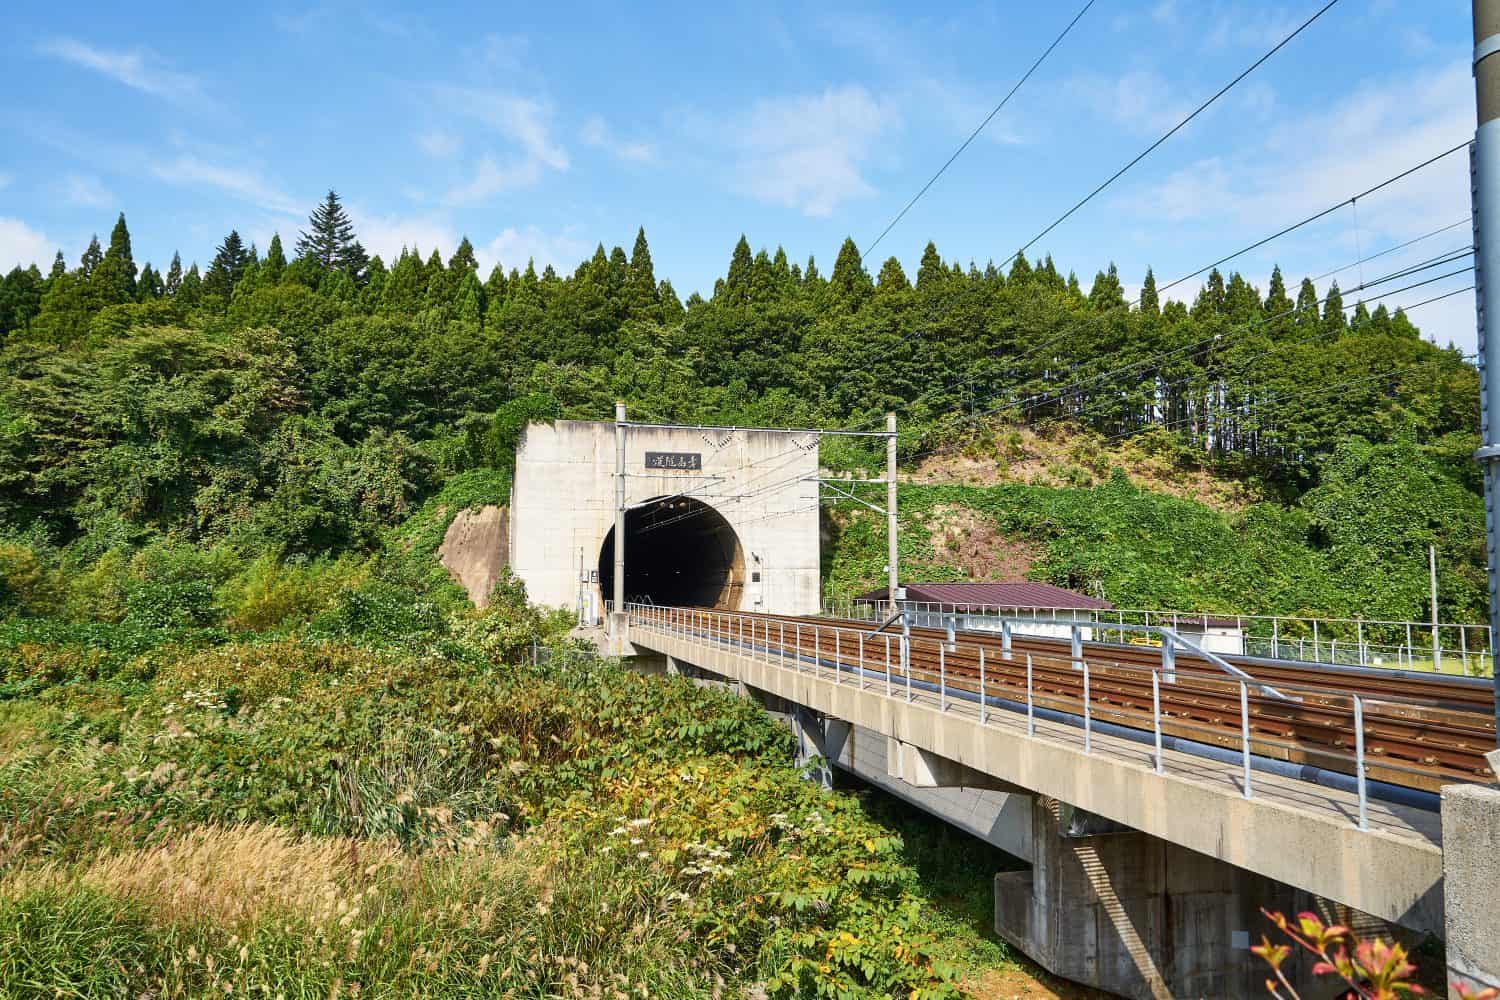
[[717, 517]]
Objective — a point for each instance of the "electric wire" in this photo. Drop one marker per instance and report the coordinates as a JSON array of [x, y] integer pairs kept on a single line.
[[1174, 129], [975, 134]]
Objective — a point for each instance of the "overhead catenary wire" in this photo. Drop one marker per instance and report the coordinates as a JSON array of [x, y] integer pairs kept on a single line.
[[1257, 244], [1466, 220], [1095, 318], [980, 128], [1236, 364], [1063, 392], [1174, 130]]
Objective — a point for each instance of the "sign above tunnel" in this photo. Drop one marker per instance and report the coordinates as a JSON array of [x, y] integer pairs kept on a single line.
[[690, 461]]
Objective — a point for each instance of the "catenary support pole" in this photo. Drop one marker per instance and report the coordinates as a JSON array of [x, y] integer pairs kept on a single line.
[[1484, 159], [892, 575], [619, 581], [1437, 642]]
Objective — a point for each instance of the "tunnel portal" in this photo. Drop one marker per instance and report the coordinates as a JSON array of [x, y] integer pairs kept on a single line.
[[679, 551]]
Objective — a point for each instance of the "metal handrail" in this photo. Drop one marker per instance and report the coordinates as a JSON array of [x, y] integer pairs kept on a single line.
[[718, 627]]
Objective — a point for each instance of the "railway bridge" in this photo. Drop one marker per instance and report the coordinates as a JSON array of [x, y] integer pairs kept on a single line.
[[1159, 804], [1160, 794]]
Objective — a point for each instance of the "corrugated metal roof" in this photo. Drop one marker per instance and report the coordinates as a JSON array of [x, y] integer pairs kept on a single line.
[[1017, 594]]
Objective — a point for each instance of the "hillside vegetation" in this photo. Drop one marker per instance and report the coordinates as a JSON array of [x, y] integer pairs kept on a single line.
[[1354, 545], [253, 740], [378, 797]]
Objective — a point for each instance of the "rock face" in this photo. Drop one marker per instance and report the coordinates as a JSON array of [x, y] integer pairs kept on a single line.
[[475, 550]]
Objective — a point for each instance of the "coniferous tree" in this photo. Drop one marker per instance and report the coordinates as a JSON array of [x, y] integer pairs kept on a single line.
[[149, 286], [1150, 306], [1107, 292], [192, 288], [174, 275], [227, 268], [59, 266], [463, 258], [1241, 299], [892, 278], [850, 283], [1334, 320], [931, 273], [495, 287], [329, 240], [737, 280], [114, 279], [274, 265], [1307, 305], [641, 292], [92, 257]]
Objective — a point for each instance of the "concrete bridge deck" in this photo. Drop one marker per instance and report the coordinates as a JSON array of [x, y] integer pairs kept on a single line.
[[1296, 832]]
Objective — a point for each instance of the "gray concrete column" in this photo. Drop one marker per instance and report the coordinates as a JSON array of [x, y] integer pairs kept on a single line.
[[1471, 884], [1135, 915]]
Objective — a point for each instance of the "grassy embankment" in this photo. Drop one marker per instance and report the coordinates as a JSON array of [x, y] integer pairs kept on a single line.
[[333, 779]]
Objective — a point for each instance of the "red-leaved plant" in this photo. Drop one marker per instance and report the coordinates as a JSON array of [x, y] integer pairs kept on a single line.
[[1374, 970]]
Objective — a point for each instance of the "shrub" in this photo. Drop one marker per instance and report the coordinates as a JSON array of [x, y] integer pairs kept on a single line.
[[26, 584], [271, 592]]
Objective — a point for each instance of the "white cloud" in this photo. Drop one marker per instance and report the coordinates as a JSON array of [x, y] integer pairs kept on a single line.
[[439, 144], [597, 134], [1142, 101], [88, 191], [244, 184], [22, 246], [136, 69], [491, 179], [808, 152], [525, 122], [1293, 170], [513, 247], [386, 235]]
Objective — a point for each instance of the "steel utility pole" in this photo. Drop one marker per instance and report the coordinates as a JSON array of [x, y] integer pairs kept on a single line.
[[1484, 161], [892, 575], [619, 588], [1437, 642]]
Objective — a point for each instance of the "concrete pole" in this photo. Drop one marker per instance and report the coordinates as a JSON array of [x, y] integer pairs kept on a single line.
[[1437, 644], [892, 574], [1485, 169], [619, 595]]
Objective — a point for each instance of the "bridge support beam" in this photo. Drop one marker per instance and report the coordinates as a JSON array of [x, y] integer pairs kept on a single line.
[[820, 741], [1135, 915], [1471, 884], [925, 769]]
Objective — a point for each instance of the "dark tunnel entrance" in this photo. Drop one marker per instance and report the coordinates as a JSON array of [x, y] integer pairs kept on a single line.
[[678, 551]]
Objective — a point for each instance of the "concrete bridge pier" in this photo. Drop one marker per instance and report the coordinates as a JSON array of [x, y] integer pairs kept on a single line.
[[1471, 884], [1136, 915]]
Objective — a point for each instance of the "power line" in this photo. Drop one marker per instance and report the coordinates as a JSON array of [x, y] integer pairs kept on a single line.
[[1318, 215], [975, 134], [1035, 349], [1400, 246], [1238, 363], [1447, 258], [1173, 130]]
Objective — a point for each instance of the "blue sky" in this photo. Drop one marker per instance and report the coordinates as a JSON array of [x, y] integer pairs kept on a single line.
[[539, 131]]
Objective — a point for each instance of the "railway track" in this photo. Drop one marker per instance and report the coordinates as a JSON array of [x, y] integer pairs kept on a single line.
[[1420, 731]]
